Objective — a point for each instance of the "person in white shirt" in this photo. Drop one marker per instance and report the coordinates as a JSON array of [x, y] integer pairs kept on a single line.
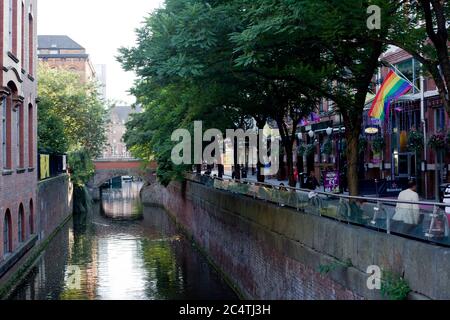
[[407, 216]]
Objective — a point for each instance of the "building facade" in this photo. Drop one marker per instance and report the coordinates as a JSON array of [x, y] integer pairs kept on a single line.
[[18, 178], [115, 146], [60, 51], [391, 151], [100, 71]]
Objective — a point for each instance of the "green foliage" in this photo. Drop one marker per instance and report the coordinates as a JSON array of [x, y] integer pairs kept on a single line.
[[51, 136], [378, 144], [81, 166], [415, 140], [225, 62], [327, 147], [394, 286], [421, 29], [362, 144], [71, 114], [324, 269], [437, 141]]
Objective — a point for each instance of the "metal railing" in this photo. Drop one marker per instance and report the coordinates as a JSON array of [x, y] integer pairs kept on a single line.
[[426, 221]]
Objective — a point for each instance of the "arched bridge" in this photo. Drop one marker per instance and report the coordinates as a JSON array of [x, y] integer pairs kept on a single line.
[[106, 169]]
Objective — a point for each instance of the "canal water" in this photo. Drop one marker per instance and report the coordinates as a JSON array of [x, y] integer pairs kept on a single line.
[[122, 250]]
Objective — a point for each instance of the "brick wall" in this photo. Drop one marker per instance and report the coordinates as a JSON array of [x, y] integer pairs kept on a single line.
[[18, 178], [271, 252], [17, 189], [54, 205]]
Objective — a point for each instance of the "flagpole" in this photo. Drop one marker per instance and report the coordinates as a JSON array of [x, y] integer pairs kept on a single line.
[[424, 124], [390, 65]]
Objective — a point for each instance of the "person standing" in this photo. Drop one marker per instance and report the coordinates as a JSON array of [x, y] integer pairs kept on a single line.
[[407, 216], [296, 176]]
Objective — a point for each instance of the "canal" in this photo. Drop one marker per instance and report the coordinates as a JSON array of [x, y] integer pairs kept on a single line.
[[122, 250]]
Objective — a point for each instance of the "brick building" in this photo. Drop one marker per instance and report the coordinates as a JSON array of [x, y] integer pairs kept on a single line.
[[397, 162], [18, 178], [60, 51], [115, 146]]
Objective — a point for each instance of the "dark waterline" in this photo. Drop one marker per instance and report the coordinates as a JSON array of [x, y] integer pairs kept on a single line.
[[100, 255]]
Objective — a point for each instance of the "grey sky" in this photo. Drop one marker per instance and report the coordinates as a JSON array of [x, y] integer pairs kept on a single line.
[[101, 26]]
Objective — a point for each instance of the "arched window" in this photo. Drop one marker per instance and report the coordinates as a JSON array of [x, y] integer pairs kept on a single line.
[[21, 225], [13, 19], [4, 132], [22, 36], [7, 128], [31, 218], [7, 236], [30, 136], [30, 42], [20, 138]]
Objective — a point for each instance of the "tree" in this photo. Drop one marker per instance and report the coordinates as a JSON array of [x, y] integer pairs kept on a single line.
[[342, 56], [189, 42], [421, 29], [183, 50], [72, 117]]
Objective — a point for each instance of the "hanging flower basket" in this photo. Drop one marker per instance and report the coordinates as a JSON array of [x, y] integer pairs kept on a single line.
[[362, 144], [437, 141], [327, 148], [301, 149], [310, 149], [415, 140], [378, 144]]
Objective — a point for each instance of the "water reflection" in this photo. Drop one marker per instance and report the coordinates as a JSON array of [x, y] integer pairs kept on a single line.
[[122, 203], [95, 257]]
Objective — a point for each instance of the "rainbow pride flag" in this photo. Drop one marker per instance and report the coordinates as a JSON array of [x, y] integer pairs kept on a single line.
[[392, 88]]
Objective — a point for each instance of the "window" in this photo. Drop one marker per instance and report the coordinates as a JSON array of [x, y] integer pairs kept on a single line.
[[30, 43], [439, 119], [13, 26], [4, 150], [7, 239], [411, 70], [21, 225], [20, 136], [31, 218], [330, 106], [9, 122], [10, 25], [22, 36], [30, 136]]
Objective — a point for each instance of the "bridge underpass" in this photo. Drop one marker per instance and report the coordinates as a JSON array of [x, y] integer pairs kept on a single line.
[[106, 169]]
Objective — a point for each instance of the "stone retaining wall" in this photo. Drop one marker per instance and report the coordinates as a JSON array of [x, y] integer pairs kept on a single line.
[[270, 252]]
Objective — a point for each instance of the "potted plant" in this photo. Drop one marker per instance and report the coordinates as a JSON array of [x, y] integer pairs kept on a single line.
[[310, 149], [362, 144], [327, 148], [378, 144], [415, 140], [437, 141]]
